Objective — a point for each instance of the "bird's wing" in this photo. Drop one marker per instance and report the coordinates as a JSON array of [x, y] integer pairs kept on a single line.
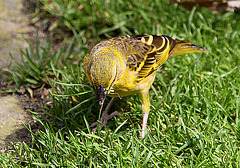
[[145, 53]]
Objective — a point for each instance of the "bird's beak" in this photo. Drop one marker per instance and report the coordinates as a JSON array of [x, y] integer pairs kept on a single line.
[[101, 95]]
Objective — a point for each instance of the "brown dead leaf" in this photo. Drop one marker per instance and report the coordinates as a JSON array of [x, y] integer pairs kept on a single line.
[[215, 5], [74, 99]]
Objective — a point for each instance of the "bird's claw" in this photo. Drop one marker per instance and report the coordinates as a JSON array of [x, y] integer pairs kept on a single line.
[[103, 120]]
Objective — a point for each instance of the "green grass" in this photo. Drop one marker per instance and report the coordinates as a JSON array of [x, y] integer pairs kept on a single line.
[[195, 99]]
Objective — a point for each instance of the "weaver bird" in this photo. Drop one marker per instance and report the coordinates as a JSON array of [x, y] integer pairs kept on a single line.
[[127, 65]]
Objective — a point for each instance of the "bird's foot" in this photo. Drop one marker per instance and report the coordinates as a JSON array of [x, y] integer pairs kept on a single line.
[[103, 120]]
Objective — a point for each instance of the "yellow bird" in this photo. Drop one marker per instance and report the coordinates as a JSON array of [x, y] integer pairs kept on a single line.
[[127, 65]]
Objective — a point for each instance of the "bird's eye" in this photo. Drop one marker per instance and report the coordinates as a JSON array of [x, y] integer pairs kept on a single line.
[[114, 80]]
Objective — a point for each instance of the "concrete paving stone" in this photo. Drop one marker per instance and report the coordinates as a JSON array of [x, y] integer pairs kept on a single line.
[[12, 117]]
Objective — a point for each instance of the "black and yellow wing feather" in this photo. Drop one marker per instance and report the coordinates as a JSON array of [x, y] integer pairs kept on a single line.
[[146, 53]]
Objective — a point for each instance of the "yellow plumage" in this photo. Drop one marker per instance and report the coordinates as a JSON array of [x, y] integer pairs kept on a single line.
[[127, 65]]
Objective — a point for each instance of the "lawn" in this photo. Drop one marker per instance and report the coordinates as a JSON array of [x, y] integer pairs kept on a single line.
[[195, 99]]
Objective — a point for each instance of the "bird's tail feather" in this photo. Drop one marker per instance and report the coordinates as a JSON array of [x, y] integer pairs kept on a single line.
[[183, 47]]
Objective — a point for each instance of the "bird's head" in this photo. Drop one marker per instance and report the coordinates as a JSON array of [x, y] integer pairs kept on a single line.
[[102, 73]]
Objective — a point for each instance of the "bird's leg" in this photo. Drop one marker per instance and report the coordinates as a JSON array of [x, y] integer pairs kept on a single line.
[[145, 109], [105, 116]]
